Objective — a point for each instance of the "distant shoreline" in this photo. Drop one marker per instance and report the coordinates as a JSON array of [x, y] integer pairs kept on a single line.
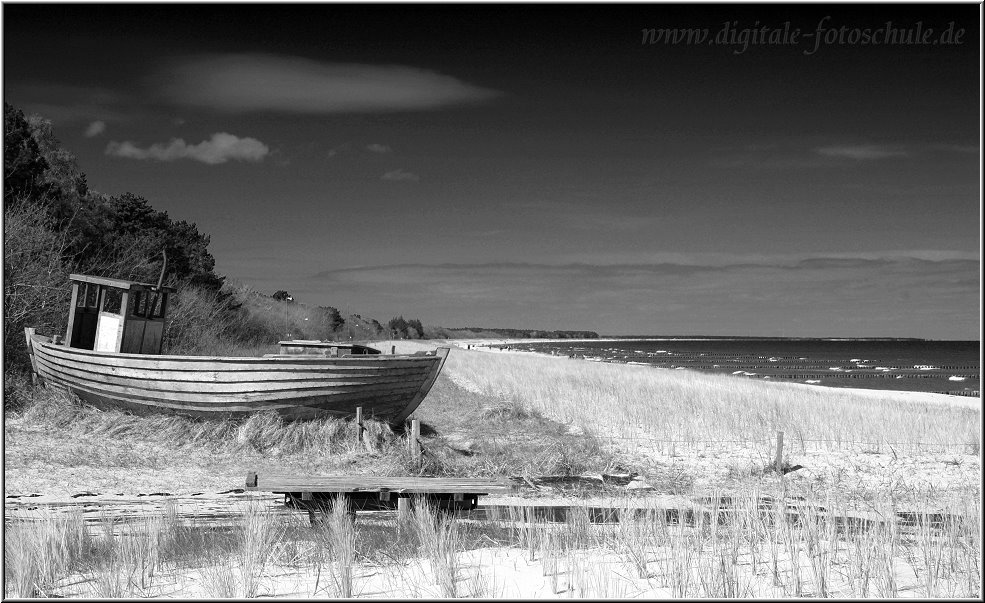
[[507, 340]]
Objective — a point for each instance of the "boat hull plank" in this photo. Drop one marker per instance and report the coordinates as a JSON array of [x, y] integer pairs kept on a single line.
[[235, 376], [235, 363], [250, 383], [148, 391]]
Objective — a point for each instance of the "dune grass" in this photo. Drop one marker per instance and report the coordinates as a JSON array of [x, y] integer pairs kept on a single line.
[[636, 401], [743, 551]]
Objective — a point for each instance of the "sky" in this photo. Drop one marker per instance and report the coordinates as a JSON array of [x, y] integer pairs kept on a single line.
[[635, 169]]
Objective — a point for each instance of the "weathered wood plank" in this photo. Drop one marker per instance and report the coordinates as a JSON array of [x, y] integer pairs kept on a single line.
[[379, 406], [239, 376], [238, 363], [242, 392], [248, 382], [405, 485]]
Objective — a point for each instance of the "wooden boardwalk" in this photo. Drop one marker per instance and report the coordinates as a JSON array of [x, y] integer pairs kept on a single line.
[[363, 483], [376, 493], [226, 509]]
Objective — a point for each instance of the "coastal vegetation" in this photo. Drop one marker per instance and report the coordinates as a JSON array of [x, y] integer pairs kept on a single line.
[[749, 552], [639, 402]]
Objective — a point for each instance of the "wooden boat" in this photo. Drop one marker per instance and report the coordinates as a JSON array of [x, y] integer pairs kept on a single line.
[[111, 359]]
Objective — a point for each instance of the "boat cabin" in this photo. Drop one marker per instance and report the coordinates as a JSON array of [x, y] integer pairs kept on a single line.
[[113, 315]]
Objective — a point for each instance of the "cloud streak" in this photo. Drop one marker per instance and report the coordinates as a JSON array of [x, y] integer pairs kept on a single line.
[[862, 152], [266, 82], [400, 175], [222, 147]]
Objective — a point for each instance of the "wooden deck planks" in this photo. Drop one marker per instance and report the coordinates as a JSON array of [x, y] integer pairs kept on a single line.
[[404, 485]]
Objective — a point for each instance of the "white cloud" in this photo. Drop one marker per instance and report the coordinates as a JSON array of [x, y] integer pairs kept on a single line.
[[378, 148], [862, 152], [265, 82], [219, 149], [400, 175], [95, 129]]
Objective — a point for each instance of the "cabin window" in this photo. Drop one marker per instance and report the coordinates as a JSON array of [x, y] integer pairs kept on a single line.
[[138, 303], [158, 310], [112, 301], [91, 296]]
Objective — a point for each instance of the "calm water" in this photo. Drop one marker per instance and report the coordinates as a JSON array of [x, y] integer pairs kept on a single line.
[[928, 366]]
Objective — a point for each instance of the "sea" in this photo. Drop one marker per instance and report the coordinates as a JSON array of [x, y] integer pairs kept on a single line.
[[947, 367]]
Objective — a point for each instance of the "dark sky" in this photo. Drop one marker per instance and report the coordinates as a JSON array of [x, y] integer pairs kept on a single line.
[[542, 166]]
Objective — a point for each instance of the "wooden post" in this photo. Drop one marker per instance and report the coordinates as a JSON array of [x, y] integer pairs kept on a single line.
[[28, 333], [403, 513], [71, 314], [415, 441], [779, 452], [359, 424]]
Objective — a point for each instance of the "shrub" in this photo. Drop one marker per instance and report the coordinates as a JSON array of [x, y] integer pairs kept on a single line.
[[35, 291]]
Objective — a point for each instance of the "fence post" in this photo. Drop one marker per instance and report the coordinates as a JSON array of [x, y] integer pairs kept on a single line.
[[359, 425], [28, 333], [415, 443], [779, 452], [403, 510]]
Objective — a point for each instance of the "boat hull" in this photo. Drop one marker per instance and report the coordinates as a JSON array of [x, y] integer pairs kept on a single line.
[[388, 387]]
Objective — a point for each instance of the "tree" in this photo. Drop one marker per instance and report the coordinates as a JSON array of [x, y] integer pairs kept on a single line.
[[398, 326], [416, 326], [63, 182], [283, 296], [134, 222], [333, 319], [23, 164]]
